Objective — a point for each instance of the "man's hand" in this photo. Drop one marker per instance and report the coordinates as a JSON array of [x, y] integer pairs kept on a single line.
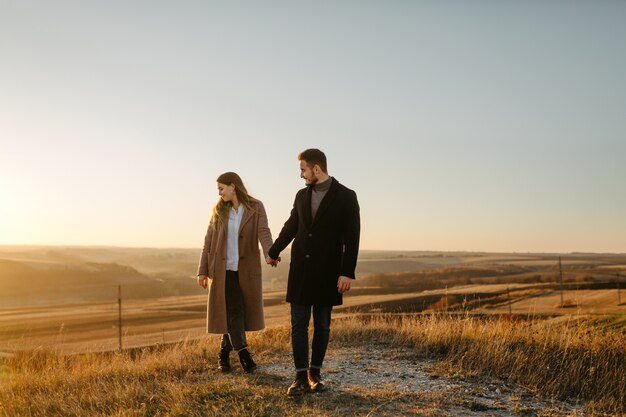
[[273, 262], [343, 284], [203, 281]]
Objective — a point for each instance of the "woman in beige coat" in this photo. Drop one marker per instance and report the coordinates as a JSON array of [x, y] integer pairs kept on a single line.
[[231, 265]]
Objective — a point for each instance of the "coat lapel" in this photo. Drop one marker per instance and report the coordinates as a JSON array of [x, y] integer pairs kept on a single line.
[[247, 215], [307, 207]]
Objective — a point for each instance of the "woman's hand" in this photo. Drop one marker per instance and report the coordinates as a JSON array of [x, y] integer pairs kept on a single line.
[[203, 281]]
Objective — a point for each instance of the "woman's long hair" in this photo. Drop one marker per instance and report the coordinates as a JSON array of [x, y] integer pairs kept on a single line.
[[222, 207]]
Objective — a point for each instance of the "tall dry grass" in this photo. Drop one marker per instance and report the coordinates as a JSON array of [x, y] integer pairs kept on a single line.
[[569, 358], [170, 380], [574, 358]]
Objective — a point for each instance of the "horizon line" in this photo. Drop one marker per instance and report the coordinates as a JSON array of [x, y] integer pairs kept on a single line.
[[24, 245]]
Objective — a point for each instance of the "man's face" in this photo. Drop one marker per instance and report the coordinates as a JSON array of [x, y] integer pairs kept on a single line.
[[307, 173]]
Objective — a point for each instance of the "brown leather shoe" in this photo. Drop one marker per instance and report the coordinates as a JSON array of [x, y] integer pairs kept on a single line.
[[315, 381], [299, 386]]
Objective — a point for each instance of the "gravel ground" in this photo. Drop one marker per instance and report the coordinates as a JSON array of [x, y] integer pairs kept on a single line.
[[413, 387]]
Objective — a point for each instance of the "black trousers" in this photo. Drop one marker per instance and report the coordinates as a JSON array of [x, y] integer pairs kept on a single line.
[[235, 314]]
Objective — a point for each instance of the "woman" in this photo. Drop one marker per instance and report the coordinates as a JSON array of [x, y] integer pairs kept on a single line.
[[231, 262]]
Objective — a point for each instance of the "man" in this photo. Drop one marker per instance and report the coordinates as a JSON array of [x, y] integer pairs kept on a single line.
[[325, 227]]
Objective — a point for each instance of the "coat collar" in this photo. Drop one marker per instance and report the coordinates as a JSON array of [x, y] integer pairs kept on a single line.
[[247, 215], [324, 205]]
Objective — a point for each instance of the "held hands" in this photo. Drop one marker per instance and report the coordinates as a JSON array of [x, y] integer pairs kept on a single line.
[[273, 262], [343, 284]]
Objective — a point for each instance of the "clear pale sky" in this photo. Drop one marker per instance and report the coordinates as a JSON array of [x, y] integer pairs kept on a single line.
[[461, 125]]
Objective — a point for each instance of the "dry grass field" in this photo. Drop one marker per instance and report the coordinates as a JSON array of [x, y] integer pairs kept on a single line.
[[453, 366], [93, 328], [428, 333], [480, 283], [574, 301]]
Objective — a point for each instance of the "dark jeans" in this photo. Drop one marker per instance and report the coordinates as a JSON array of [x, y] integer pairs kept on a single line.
[[235, 314], [300, 317]]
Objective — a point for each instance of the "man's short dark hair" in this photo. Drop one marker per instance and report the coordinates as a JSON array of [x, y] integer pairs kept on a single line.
[[314, 157]]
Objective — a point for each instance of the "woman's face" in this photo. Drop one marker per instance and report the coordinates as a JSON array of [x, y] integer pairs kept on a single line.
[[227, 192]]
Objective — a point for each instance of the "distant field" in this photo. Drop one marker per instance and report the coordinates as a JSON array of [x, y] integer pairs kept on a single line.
[[578, 302], [74, 329], [66, 297]]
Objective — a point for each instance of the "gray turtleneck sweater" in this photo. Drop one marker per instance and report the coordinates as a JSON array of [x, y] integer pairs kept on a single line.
[[319, 191]]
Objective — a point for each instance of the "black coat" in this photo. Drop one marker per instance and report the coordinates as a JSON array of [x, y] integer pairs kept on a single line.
[[323, 248]]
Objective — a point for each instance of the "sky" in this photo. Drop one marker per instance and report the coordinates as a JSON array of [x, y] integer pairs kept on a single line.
[[462, 125]]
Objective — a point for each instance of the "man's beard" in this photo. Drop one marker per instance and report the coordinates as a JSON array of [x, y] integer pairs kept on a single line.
[[312, 181]]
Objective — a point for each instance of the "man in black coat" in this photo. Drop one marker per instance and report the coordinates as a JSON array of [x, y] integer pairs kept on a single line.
[[325, 227]]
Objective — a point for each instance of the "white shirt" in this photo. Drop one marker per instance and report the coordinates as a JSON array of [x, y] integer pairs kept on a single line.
[[232, 240]]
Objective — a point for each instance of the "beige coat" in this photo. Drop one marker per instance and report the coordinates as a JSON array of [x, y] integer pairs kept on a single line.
[[253, 229]]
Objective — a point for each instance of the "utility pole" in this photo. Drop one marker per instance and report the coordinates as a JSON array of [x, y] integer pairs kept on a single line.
[[561, 280], [119, 317]]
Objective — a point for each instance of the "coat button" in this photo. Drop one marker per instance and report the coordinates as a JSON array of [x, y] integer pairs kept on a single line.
[[310, 234], [307, 256]]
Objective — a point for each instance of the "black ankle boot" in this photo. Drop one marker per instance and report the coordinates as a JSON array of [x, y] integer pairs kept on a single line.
[[224, 361], [246, 361]]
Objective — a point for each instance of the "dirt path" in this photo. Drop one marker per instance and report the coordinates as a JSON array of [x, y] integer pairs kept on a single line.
[[375, 381]]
